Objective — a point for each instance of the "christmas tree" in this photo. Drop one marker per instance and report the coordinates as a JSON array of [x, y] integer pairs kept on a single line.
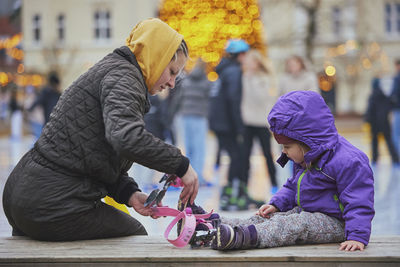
[[207, 25]]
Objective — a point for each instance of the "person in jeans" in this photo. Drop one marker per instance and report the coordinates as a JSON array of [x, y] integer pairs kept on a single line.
[[195, 90], [396, 110]]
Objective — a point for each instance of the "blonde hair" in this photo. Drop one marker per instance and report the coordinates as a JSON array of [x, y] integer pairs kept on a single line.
[[263, 62], [265, 67], [182, 48]]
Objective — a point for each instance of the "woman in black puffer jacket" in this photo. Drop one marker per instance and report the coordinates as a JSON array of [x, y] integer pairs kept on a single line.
[[95, 133]]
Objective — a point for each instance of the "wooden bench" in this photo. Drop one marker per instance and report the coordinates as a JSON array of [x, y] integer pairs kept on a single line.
[[156, 251]]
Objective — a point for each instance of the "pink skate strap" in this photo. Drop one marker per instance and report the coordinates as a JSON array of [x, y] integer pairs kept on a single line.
[[167, 211], [188, 224]]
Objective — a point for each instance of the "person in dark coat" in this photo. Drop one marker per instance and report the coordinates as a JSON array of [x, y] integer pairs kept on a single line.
[[48, 97], [95, 133], [154, 120], [395, 97], [377, 115], [225, 117]]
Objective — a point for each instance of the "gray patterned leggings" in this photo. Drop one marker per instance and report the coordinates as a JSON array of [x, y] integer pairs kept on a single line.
[[293, 227]]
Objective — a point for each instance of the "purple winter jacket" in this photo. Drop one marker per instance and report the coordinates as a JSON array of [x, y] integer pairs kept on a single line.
[[340, 182]]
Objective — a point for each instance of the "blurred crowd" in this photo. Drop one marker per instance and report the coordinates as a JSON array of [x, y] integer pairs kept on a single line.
[[28, 109], [234, 109]]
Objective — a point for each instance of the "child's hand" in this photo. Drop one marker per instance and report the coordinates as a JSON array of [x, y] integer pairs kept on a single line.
[[266, 210], [351, 245]]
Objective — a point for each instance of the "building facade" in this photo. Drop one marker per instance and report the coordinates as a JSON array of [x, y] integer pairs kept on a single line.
[[358, 38], [70, 36]]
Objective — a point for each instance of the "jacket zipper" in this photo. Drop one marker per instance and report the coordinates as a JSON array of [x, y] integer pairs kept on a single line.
[[341, 207], [298, 188]]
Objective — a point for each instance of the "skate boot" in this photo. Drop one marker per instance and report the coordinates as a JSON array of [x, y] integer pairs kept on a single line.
[[238, 237], [226, 199]]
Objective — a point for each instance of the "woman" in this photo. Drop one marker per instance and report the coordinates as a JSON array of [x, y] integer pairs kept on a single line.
[[297, 77], [259, 95], [95, 133]]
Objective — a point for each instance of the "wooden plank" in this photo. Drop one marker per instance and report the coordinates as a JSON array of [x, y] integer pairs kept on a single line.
[[144, 249]]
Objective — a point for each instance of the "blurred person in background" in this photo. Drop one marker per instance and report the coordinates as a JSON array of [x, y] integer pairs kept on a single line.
[[48, 96], [259, 96], [327, 86], [225, 117], [15, 115], [377, 115], [155, 124], [95, 133], [297, 77], [195, 89], [395, 96], [4, 100], [36, 116], [170, 107]]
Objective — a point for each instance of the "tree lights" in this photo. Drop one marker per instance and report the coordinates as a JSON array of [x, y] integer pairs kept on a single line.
[[206, 26]]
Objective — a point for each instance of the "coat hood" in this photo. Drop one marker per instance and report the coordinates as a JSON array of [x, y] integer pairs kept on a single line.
[[304, 116], [154, 43]]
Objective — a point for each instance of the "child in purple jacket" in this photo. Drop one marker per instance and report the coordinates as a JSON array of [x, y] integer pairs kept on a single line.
[[330, 196]]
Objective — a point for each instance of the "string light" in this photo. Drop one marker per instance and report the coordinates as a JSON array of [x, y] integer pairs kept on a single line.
[[207, 25], [330, 70], [10, 44]]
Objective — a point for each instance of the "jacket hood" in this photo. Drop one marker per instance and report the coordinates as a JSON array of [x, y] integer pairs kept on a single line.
[[304, 116], [154, 43]]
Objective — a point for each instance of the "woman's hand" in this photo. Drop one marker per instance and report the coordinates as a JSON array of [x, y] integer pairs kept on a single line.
[[266, 210], [351, 245], [137, 200], [190, 186]]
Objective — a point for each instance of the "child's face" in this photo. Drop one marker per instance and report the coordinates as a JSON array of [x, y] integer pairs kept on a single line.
[[295, 152]]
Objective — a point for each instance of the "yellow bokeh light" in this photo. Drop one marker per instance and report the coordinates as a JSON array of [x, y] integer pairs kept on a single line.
[[351, 44], [20, 68], [341, 49], [330, 70], [325, 85], [208, 24], [3, 78], [212, 76], [366, 63]]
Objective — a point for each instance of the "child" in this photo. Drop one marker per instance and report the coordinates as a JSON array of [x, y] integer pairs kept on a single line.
[[330, 196]]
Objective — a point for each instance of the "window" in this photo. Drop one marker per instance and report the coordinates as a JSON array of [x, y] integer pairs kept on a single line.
[[336, 20], [392, 19], [102, 25], [61, 28], [36, 28]]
